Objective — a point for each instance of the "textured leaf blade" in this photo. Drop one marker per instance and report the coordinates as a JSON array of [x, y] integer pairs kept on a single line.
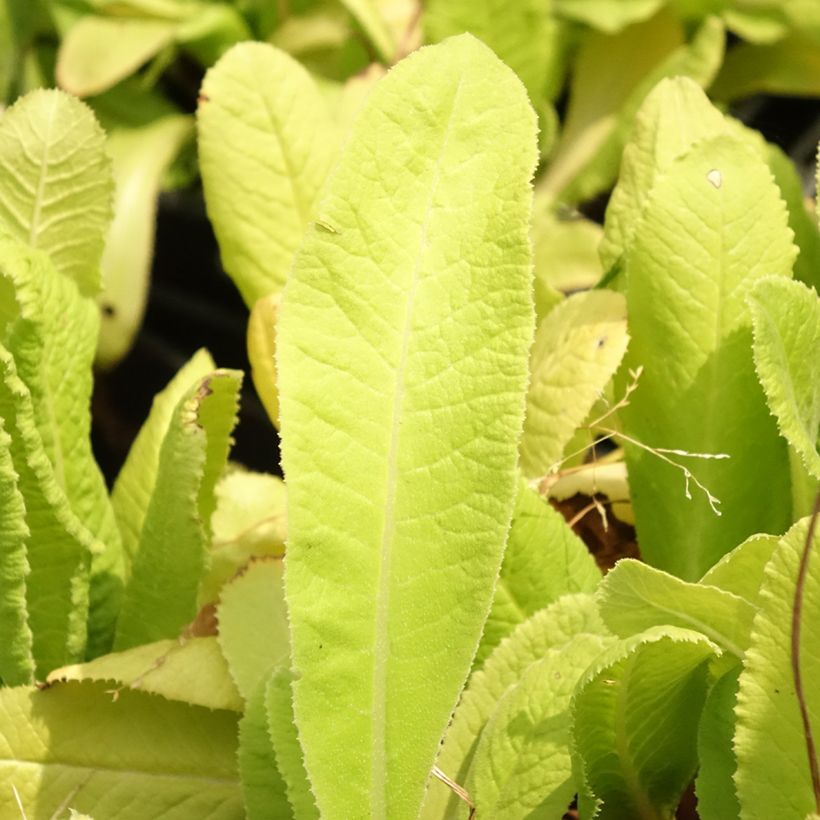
[[142, 756], [543, 561], [161, 594], [265, 147], [371, 277], [577, 349], [767, 708], [711, 235], [57, 196], [634, 723], [786, 318], [553, 628]]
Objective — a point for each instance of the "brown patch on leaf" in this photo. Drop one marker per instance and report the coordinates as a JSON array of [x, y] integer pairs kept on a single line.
[[204, 625]]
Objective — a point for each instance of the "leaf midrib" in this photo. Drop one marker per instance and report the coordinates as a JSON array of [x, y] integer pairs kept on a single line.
[[381, 641]]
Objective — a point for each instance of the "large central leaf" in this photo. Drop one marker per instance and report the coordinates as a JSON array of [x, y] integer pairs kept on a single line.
[[403, 360]]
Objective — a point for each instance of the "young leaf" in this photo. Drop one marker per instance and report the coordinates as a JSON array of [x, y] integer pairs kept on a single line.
[[255, 597], [635, 723], [263, 788], [423, 345], [715, 788], [370, 17], [51, 330], [262, 352], [135, 483], [16, 660], [141, 156], [193, 671], [161, 594], [634, 597], [139, 756], [522, 765], [56, 194], [283, 735], [768, 711], [712, 225], [544, 560], [265, 147], [577, 349], [570, 618], [741, 570], [786, 319], [607, 15]]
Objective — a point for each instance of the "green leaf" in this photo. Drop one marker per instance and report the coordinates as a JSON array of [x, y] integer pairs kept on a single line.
[[250, 521], [369, 16], [635, 723], [265, 147], [613, 75], [16, 660], [161, 594], [140, 756], [570, 618], [522, 765], [544, 560], [715, 788], [51, 330], [192, 670], [98, 52], [135, 483], [712, 225], [141, 156], [788, 67], [577, 349], [262, 352], [418, 448], [741, 570], [634, 597], [768, 715], [255, 597], [786, 319], [57, 187], [263, 788], [283, 734], [520, 33], [674, 116], [607, 15]]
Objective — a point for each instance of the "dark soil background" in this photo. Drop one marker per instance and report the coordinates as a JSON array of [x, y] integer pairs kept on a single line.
[[193, 304]]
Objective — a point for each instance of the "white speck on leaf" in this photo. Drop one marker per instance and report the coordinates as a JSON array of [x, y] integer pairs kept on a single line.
[[715, 177]]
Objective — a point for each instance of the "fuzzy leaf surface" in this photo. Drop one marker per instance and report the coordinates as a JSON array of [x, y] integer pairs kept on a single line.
[[265, 147], [141, 755], [423, 339], [57, 186]]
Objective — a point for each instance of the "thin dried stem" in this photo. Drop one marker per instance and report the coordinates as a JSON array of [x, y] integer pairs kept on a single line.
[[458, 790]]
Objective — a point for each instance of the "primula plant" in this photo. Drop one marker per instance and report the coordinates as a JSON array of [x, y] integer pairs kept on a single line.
[[406, 626]]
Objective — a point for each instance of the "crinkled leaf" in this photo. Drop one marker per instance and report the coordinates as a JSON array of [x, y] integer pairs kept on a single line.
[[519, 32], [263, 788], [265, 147], [255, 598], [786, 318], [192, 670], [140, 756], [161, 594], [612, 77], [712, 225], [16, 660], [634, 723], [634, 597], [544, 560], [135, 483], [56, 193], [522, 766], [141, 156], [768, 717], [715, 788], [262, 352], [98, 52], [250, 521], [417, 456], [554, 627], [283, 734], [577, 349]]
